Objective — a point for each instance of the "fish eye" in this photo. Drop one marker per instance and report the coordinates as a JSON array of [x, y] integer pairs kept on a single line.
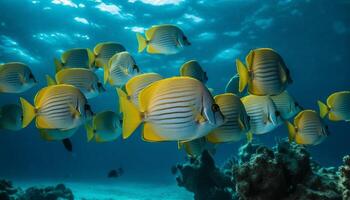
[[99, 85], [296, 104], [184, 38], [135, 67], [277, 113], [87, 107], [326, 126], [31, 76], [215, 107]]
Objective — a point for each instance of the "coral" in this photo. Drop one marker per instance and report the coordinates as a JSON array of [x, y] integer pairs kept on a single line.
[[8, 192], [49, 193], [345, 177], [284, 172], [204, 179]]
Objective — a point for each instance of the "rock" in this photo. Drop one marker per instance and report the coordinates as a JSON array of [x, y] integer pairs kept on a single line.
[[344, 180], [9, 192], [60, 192]]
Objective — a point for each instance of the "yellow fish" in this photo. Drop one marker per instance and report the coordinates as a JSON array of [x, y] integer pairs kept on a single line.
[[163, 39], [84, 79], [286, 105], [121, 67], [106, 126], [194, 70], [57, 134], [236, 120], [172, 109], [57, 107], [104, 51], [337, 108], [15, 77], [233, 86], [265, 73], [11, 117], [194, 148], [76, 58], [136, 84], [308, 128], [262, 112]]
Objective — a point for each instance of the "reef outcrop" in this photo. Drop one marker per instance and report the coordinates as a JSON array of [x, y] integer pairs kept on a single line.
[[345, 177], [59, 192], [284, 172]]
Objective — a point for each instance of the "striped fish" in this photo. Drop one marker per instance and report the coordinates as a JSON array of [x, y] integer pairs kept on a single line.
[[137, 83], [195, 147], [57, 107], [84, 79], [15, 77], [264, 72], [308, 128], [338, 106], [262, 113], [286, 105], [236, 120], [194, 70], [121, 67], [104, 51], [106, 126], [11, 117], [163, 39], [172, 109], [76, 58]]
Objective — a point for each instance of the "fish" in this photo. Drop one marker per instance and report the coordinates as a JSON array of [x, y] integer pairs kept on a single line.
[[115, 173], [61, 107], [75, 58], [172, 109], [16, 77], [121, 67], [286, 105], [136, 84], [265, 73], [11, 117], [162, 39], [105, 126], [194, 70], [308, 128], [337, 107], [67, 143], [194, 148], [104, 51], [59, 135], [263, 114], [233, 87], [84, 79], [236, 120]]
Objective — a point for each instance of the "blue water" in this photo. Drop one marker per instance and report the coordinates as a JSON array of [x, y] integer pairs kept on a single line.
[[312, 36]]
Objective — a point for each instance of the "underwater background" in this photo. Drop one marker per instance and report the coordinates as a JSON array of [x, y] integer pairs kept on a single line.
[[313, 36]]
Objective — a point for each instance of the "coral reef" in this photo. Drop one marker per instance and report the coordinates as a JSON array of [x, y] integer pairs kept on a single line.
[[345, 177], [59, 192], [284, 172]]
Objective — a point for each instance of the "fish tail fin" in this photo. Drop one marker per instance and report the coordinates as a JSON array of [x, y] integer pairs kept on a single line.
[[243, 74], [323, 109], [249, 137], [291, 131], [105, 74], [50, 81], [58, 64], [89, 132], [142, 42], [28, 112], [131, 115]]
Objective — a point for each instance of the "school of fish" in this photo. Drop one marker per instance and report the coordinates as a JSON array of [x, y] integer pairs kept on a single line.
[[180, 108]]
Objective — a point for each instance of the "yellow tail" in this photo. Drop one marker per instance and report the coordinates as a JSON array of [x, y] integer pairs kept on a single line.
[[89, 132], [243, 75], [28, 112], [50, 81], [105, 73], [323, 109], [291, 131], [131, 115], [58, 64], [142, 42]]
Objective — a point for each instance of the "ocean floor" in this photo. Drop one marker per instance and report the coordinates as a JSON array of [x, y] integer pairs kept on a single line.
[[116, 190]]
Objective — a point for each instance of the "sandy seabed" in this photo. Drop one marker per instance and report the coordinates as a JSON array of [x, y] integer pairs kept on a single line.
[[117, 190]]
